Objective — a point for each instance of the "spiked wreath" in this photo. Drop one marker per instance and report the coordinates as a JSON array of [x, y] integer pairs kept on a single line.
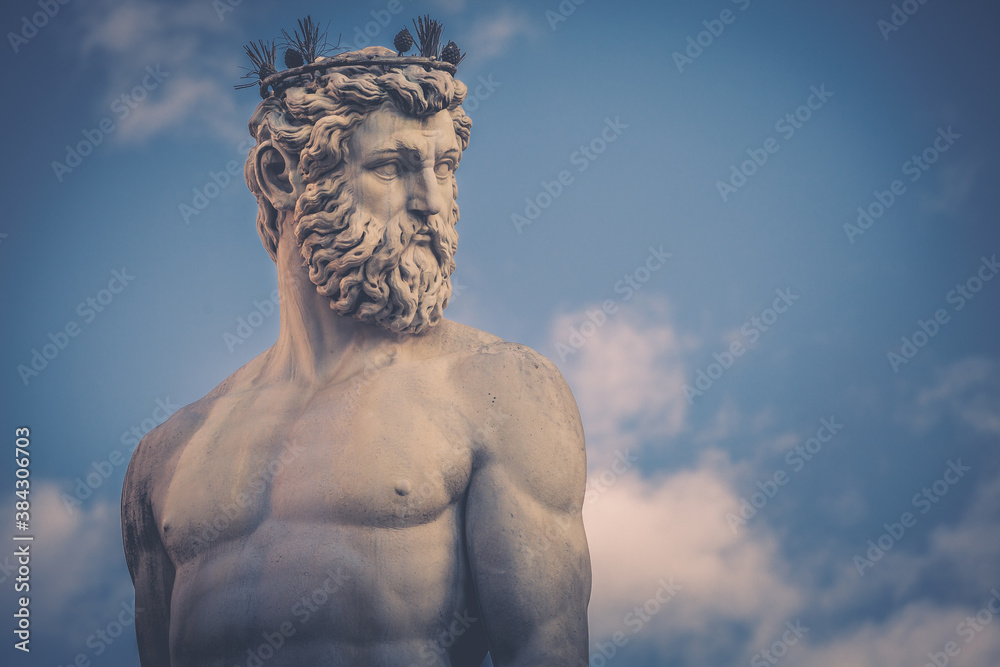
[[307, 43]]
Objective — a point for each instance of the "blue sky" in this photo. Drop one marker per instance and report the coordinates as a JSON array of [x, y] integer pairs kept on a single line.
[[705, 187]]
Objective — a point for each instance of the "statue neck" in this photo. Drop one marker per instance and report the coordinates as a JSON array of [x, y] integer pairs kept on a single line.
[[315, 344]]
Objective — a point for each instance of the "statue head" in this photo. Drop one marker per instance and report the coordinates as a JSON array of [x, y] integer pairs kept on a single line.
[[360, 162]]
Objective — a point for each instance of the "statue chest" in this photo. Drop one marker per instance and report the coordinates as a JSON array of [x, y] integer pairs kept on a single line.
[[336, 460]]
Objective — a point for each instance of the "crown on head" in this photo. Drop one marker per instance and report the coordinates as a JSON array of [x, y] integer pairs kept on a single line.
[[307, 46]]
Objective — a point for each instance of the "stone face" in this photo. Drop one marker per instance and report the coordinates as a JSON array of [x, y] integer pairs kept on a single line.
[[383, 486]]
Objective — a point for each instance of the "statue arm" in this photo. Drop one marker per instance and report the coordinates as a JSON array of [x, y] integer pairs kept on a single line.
[[524, 525], [148, 563]]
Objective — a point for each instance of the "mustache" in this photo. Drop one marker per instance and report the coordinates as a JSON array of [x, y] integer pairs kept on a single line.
[[326, 208], [380, 247], [436, 228]]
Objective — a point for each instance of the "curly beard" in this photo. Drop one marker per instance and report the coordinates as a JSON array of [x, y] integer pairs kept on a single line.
[[371, 269]]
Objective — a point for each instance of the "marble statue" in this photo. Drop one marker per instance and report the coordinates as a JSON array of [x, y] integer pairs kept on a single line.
[[382, 486]]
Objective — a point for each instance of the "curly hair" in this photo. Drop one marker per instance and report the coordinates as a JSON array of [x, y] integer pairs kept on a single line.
[[315, 117]]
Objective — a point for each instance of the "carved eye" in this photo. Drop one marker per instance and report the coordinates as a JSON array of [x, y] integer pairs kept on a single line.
[[387, 170], [443, 169]]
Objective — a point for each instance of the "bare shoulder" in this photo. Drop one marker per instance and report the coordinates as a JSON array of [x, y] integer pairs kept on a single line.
[[153, 460], [152, 463], [499, 363], [523, 418]]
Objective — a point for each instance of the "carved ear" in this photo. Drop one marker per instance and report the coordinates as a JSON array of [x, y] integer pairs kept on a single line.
[[278, 179]]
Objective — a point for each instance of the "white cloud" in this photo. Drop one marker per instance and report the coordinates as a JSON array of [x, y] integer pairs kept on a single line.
[[645, 529], [970, 549], [674, 527], [121, 29], [185, 39], [627, 377], [151, 27], [449, 5], [904, 641], [184, 102], [78, 575], [967, 390], [955, 379], [492, 36]]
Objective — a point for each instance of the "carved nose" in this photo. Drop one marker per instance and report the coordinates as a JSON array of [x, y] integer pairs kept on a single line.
[[425, 199]]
